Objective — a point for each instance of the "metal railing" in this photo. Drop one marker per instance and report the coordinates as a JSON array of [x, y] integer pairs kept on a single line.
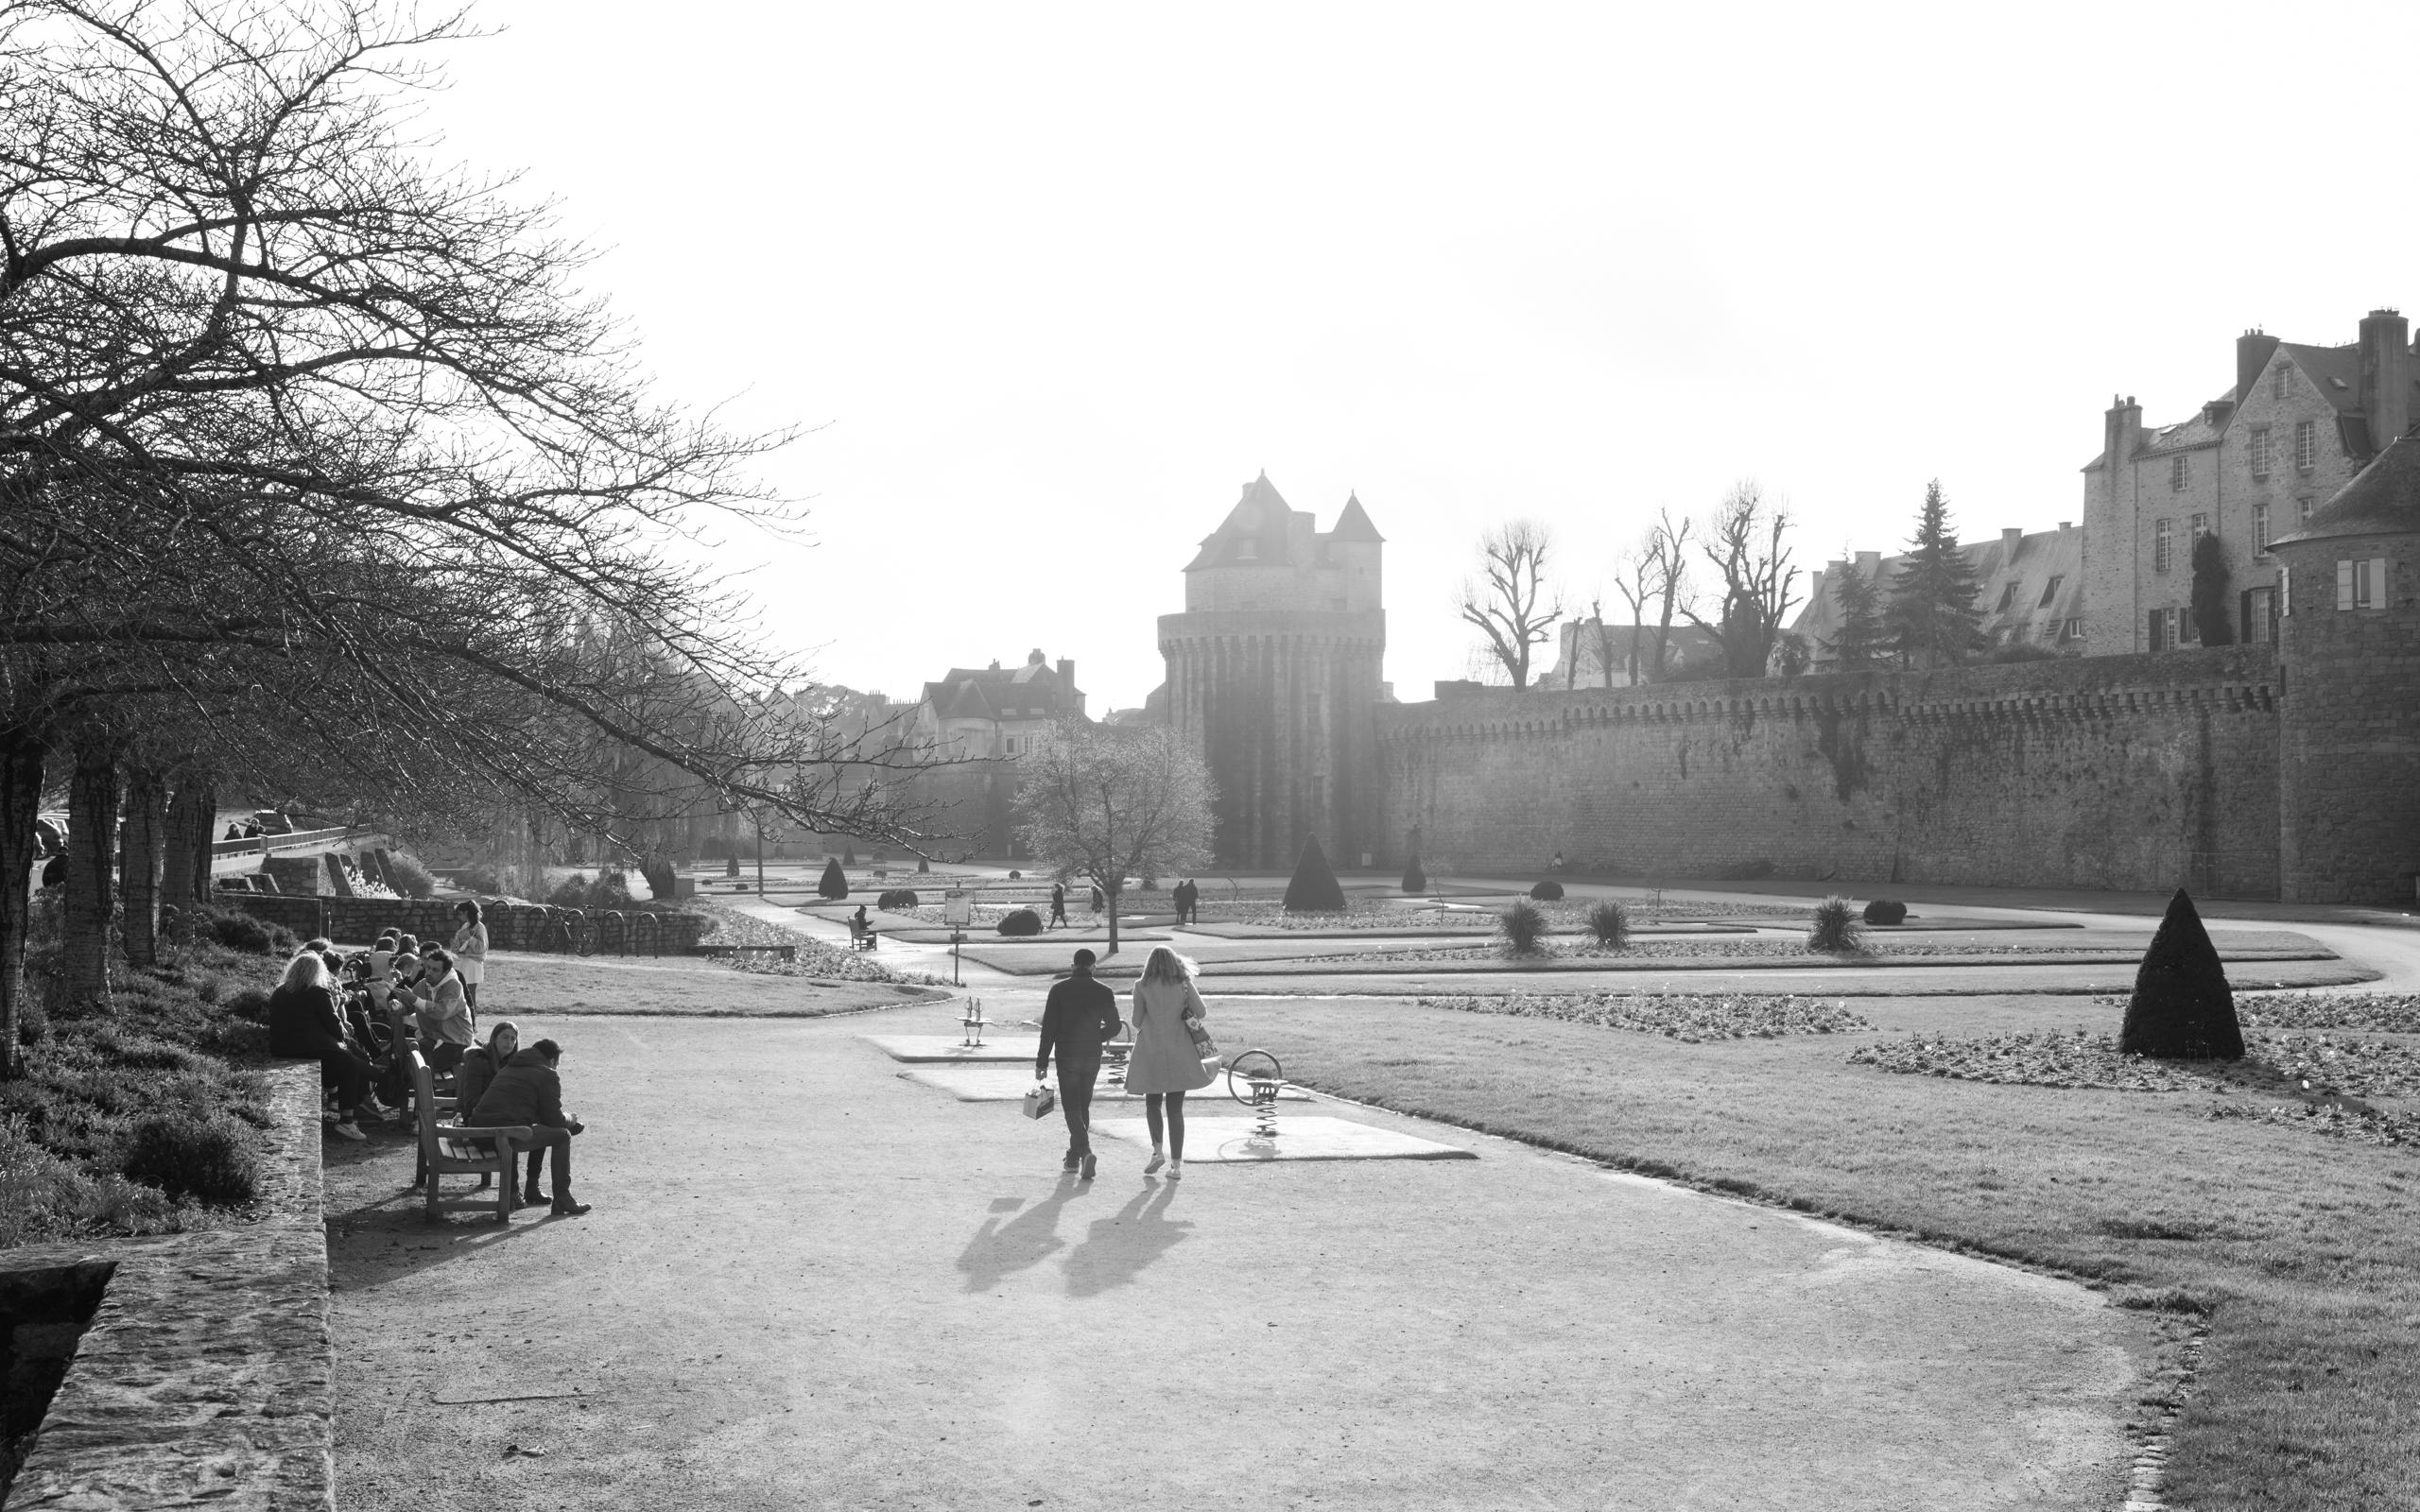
[[261, 845]]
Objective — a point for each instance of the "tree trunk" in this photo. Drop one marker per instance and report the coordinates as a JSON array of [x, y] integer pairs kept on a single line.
[[1109, 890], [140, 850], [91, 833], [193, 814], [21, 764]]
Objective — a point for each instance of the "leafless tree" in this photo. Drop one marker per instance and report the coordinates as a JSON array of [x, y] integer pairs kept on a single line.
[[1744, 544], [297, 435], [1112, 803], [1655, 572], [1508, 602]]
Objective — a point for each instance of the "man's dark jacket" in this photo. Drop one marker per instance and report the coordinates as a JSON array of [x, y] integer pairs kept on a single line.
[[1079, 1016], [527, 1091], [303, 1023]]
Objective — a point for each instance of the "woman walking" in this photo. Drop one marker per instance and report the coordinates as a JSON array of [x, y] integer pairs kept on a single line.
[[471, 952], [1164, 1064]]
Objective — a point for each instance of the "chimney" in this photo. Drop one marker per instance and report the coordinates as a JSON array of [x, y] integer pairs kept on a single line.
[[1067, 673], [2121, 431], [2064, 526], [2010, 542], [2252, 353], [1869, 563], [2386, 376]]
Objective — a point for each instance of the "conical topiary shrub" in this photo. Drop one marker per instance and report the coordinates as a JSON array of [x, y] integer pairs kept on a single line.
[[835, 882], [1414, 880], [2183, 1008], [1314, 890]]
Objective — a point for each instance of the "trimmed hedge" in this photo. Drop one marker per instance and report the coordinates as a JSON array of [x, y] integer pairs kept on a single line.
[[1886, 911], [895, 900], [1547, 892], [2183, 1008], [835, 883], [1021, 922], [1414, 880], [1314, 889]]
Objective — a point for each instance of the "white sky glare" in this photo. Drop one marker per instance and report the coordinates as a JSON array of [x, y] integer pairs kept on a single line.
[[1048, 283]]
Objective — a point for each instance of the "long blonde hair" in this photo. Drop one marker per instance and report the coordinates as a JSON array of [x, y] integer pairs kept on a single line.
[[1165, 967], [305, 969]]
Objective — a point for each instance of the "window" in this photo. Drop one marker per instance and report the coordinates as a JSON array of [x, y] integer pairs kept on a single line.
[[2163, 546], [2306, 445], [2264, 454], [2158, 630], [2073, 629], [2189, 631], [2281, 381], [2049, 592], [2008, 596], [2201, 526], [1010, 745], [2260, 528], [2261, 616], [2180, 471], [2361, 584]]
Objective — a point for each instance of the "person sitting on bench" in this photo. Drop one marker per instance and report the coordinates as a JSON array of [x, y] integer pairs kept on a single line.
[[443, 1013], [477, 1073], [861, 931], [527, 1090], [304, 1025]]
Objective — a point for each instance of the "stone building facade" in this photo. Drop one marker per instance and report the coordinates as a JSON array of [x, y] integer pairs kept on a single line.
[[2031, 592], [2298, 424], [1274, 675]]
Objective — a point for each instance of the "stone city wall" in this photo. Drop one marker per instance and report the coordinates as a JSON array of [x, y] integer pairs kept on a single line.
[[2137, 772]]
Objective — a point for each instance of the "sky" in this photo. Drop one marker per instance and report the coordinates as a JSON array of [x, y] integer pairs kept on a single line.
[[1042, 286]]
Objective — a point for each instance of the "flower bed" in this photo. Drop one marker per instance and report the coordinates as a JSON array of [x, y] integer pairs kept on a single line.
[[1690, 1018], [2385, 1129], [815, 957], [2045, 1059], [2381, 1012]]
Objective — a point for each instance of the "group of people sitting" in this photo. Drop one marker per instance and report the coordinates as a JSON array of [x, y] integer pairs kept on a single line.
[[359, 1016]]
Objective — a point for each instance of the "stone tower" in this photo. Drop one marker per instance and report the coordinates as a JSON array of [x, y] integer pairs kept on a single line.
[[2348, 725], [1272, 672]]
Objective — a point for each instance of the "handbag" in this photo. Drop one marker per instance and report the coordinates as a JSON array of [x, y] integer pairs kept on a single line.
[[1203, 1045], [1039, 1101]]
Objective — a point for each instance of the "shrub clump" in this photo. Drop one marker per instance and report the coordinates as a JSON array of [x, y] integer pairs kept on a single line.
[[1414, 880], [835, 883], [406, 875], [1609, 923], [1547, 892], [1020, 922], [1836, 927], [239, 931], [2183, 1008], [1314, 889], [1523, 926], [896, 900], [1886, 911], [209, 1160]]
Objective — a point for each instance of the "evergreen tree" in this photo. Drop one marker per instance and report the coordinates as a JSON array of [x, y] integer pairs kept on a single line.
[[2183, 1008], [1314, 889], [2210, 577], [1935, 618], [1863, 637], [1415, 880], [834, 885]]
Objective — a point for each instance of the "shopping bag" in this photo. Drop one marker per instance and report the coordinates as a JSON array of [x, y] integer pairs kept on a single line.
[[1039, 1102]]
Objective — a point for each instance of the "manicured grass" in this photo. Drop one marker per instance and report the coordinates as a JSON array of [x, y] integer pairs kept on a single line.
[[559, 984], [2304, 1251]]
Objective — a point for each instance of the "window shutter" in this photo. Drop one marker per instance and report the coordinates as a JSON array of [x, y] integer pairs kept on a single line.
[[2285, 590], [2378, 582], [2344, 585]]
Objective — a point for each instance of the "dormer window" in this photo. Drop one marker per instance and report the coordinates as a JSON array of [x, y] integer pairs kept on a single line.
[[2008, 596], [1248, 550], [2049, 592], [2281, 381]]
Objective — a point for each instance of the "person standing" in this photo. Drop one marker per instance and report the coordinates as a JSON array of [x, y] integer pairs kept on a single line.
[[305, 1024], [1079, 1016], [1058, 902], [531, 1090], [1165, 1064], [471, 952]]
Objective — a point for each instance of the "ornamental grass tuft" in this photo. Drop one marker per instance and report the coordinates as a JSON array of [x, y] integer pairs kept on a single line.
[[1609, 923], [1837, 928], [1523, 926]]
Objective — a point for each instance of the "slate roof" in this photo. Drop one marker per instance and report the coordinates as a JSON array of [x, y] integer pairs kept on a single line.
[[1034, 690], [2383, 499], [1261, 520], [1354, 523], [2335, 372]]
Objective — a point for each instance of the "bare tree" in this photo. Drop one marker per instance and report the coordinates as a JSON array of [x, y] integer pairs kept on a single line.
[[1109, 804], [1744, 545], [1655, 572], [1509, 603]]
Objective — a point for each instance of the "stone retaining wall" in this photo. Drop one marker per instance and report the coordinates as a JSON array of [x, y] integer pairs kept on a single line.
[[204, 1379], [359, 920]]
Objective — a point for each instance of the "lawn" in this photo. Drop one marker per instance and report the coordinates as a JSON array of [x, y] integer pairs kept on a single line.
[[537, 984], [2301, 1252]]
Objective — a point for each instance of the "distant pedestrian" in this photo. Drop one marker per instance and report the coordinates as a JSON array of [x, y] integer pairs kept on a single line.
[[1079, 1017], [471, 952], [1058, 902], [234, 831], [1099, 898], [1188, 902], [1165, 1064]]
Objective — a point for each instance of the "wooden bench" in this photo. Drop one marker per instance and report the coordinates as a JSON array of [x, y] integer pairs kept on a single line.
[[862, 937], [449, 1149]]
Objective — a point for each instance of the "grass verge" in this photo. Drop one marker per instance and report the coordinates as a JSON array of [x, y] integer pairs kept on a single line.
[[2303, 1253]]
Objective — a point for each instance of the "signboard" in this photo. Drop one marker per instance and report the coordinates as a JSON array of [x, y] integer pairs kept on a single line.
[[957, 907]]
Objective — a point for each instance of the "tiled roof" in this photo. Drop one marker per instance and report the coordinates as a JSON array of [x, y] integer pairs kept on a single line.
[[2384, 499]]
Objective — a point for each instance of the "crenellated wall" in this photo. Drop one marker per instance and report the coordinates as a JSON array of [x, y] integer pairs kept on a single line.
[[2121, 772]]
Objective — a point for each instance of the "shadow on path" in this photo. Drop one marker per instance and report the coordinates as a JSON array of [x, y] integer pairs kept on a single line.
[[1025, 1240], [1110, 1258]]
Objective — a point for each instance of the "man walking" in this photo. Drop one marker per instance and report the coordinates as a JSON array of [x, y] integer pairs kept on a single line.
[[1079, 1016], [1058, 904], [1188, 902]]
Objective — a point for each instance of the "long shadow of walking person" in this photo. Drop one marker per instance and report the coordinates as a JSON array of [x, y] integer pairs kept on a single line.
[[1022, 1242], [1117, 1247]]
